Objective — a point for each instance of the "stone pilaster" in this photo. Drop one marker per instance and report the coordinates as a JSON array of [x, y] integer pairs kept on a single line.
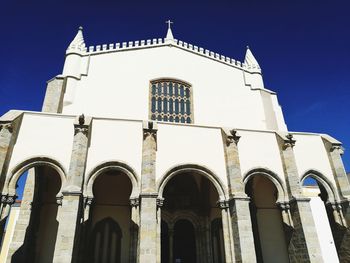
[[304, 245], [9, 128], [71, 210], [55, 90], [148, 249], [243, 239], [227, 234], [22, 244], [134, 229]]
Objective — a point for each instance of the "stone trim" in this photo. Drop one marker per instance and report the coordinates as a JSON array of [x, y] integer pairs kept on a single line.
[[55, 90], [195, 168]]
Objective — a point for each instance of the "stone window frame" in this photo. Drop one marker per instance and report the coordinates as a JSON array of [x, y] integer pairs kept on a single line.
[[174, 80]]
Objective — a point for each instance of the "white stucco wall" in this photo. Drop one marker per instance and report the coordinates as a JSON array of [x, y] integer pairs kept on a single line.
[[115, 140], [179, 144], [310, 154], [117, 85], [259, 150], [44, 135]]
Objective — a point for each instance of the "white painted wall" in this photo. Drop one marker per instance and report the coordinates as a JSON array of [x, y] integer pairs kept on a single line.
[[310, 153], [117, 85], [117, 141], [259, 150], [179, 144], [44, 135]]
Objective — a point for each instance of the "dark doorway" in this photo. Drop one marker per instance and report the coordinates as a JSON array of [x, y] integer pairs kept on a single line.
[[184, 242], [165, 243]]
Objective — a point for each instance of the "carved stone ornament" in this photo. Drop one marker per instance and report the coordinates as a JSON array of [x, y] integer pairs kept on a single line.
[[337, 147], [289, 141], [3, 199], [160, 202], [134, 202], [150, 131], [8, 126], [88, 201], [84, 129], [81, 119], [59, 200], [11, 199], [232, 137], [223, 204]]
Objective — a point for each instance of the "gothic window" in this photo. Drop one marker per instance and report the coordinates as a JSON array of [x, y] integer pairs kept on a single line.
[[106, 242], [171, 101]]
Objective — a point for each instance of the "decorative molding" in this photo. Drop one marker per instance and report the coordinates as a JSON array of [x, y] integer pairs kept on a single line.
[[233, 137], [7, 125], [289, 142]]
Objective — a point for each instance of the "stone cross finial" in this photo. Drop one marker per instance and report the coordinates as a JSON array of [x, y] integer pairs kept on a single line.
[[169, 23]]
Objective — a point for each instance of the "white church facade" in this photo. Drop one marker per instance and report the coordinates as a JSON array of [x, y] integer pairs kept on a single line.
[[162, 151]]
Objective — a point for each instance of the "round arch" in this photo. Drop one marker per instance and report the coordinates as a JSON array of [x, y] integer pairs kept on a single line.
[[272, 177], [20, 168], [194, 168], [108, 166], [324, 181]]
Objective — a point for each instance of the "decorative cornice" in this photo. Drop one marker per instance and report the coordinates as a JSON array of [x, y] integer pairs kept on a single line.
[[232, 137], [288, 141]]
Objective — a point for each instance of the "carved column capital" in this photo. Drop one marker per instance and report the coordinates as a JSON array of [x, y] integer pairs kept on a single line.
[[150, 129], [232, 137], [134, 202], [6, 126], [81, 126], [59, 200], [3, 199], [223, 204], [337, 147], [288, 141], [160, 202], [11, 199], [88, 201]]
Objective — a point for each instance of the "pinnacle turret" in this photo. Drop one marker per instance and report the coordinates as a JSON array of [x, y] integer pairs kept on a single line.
[[78, 43], [250, 60]]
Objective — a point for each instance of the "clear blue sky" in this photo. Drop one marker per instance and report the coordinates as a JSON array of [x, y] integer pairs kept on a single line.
[[302, 47]]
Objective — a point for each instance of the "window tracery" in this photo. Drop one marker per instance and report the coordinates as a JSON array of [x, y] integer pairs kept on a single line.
[[171, 101]]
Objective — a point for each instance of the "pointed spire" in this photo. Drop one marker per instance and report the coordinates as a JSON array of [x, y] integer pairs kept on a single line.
[[78, 43], [169, 34], [250, 60]]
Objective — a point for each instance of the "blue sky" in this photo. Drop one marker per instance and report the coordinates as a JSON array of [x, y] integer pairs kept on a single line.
[[302, 47]]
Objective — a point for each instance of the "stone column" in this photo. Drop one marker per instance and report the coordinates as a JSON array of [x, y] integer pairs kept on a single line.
[[22, 241], [71, 210], [304, 245], [224, 205], [148, 249], [243, 239], [55, 90], [134, 229]]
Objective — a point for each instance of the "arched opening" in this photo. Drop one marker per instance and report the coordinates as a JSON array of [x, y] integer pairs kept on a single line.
[[184, 242], [190, 205], [109, 223], [329, 233], [37, 189], [269, 238]]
